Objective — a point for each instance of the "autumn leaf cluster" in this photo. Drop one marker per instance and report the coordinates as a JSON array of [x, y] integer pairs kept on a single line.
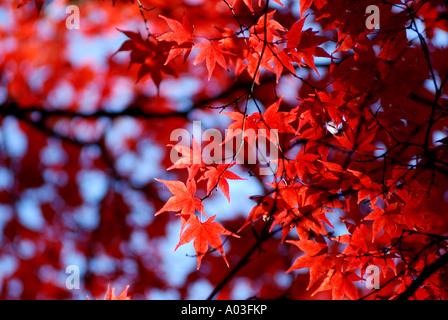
[[357, 117]]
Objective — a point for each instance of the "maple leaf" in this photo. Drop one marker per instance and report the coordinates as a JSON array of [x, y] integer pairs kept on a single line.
[[264, 207], [267, 29], [315, 259], [287, 219], [248, 4], [212, 53], [110, 294], [204, 233], [299, 201], [358, 139], [183, 198], [304, 5], [356, 238], [309, 246], [191, 159], [244, 125], [303, 45], [280, 60], [152, 56], [270, 123], [275, 120], [370, 95], [237, 45], [218, 176], [340, 285], [182, 34], [388, 219]]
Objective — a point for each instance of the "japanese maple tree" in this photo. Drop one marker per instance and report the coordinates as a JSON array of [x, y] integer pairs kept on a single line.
[[354, 114]]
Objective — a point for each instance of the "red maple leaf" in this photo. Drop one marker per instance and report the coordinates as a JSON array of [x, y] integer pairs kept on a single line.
[[217, 176], [340, 285], [303, 45], [183, 198], [369, 95], [182, 32], [204, 233], [183, 36], [191, 158], [272, 119], [264, 207], [315, 259], [304, 5], [212, 53], [248, 3], [110, 294], [151, 55], [243, 124]]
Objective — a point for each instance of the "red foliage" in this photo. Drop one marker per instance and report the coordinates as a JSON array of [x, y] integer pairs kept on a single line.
[[357, 117], [110, 294]]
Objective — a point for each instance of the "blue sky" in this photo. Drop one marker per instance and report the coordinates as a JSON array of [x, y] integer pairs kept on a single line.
[[141, 167]]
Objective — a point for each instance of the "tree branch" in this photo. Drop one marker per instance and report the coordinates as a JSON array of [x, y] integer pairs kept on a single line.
[[425, 274]]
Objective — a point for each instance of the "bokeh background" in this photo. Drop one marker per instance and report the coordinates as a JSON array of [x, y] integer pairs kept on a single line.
[[79, 158]]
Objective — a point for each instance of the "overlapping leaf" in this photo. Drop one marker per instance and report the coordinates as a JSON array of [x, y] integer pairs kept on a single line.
[[203, 234]]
